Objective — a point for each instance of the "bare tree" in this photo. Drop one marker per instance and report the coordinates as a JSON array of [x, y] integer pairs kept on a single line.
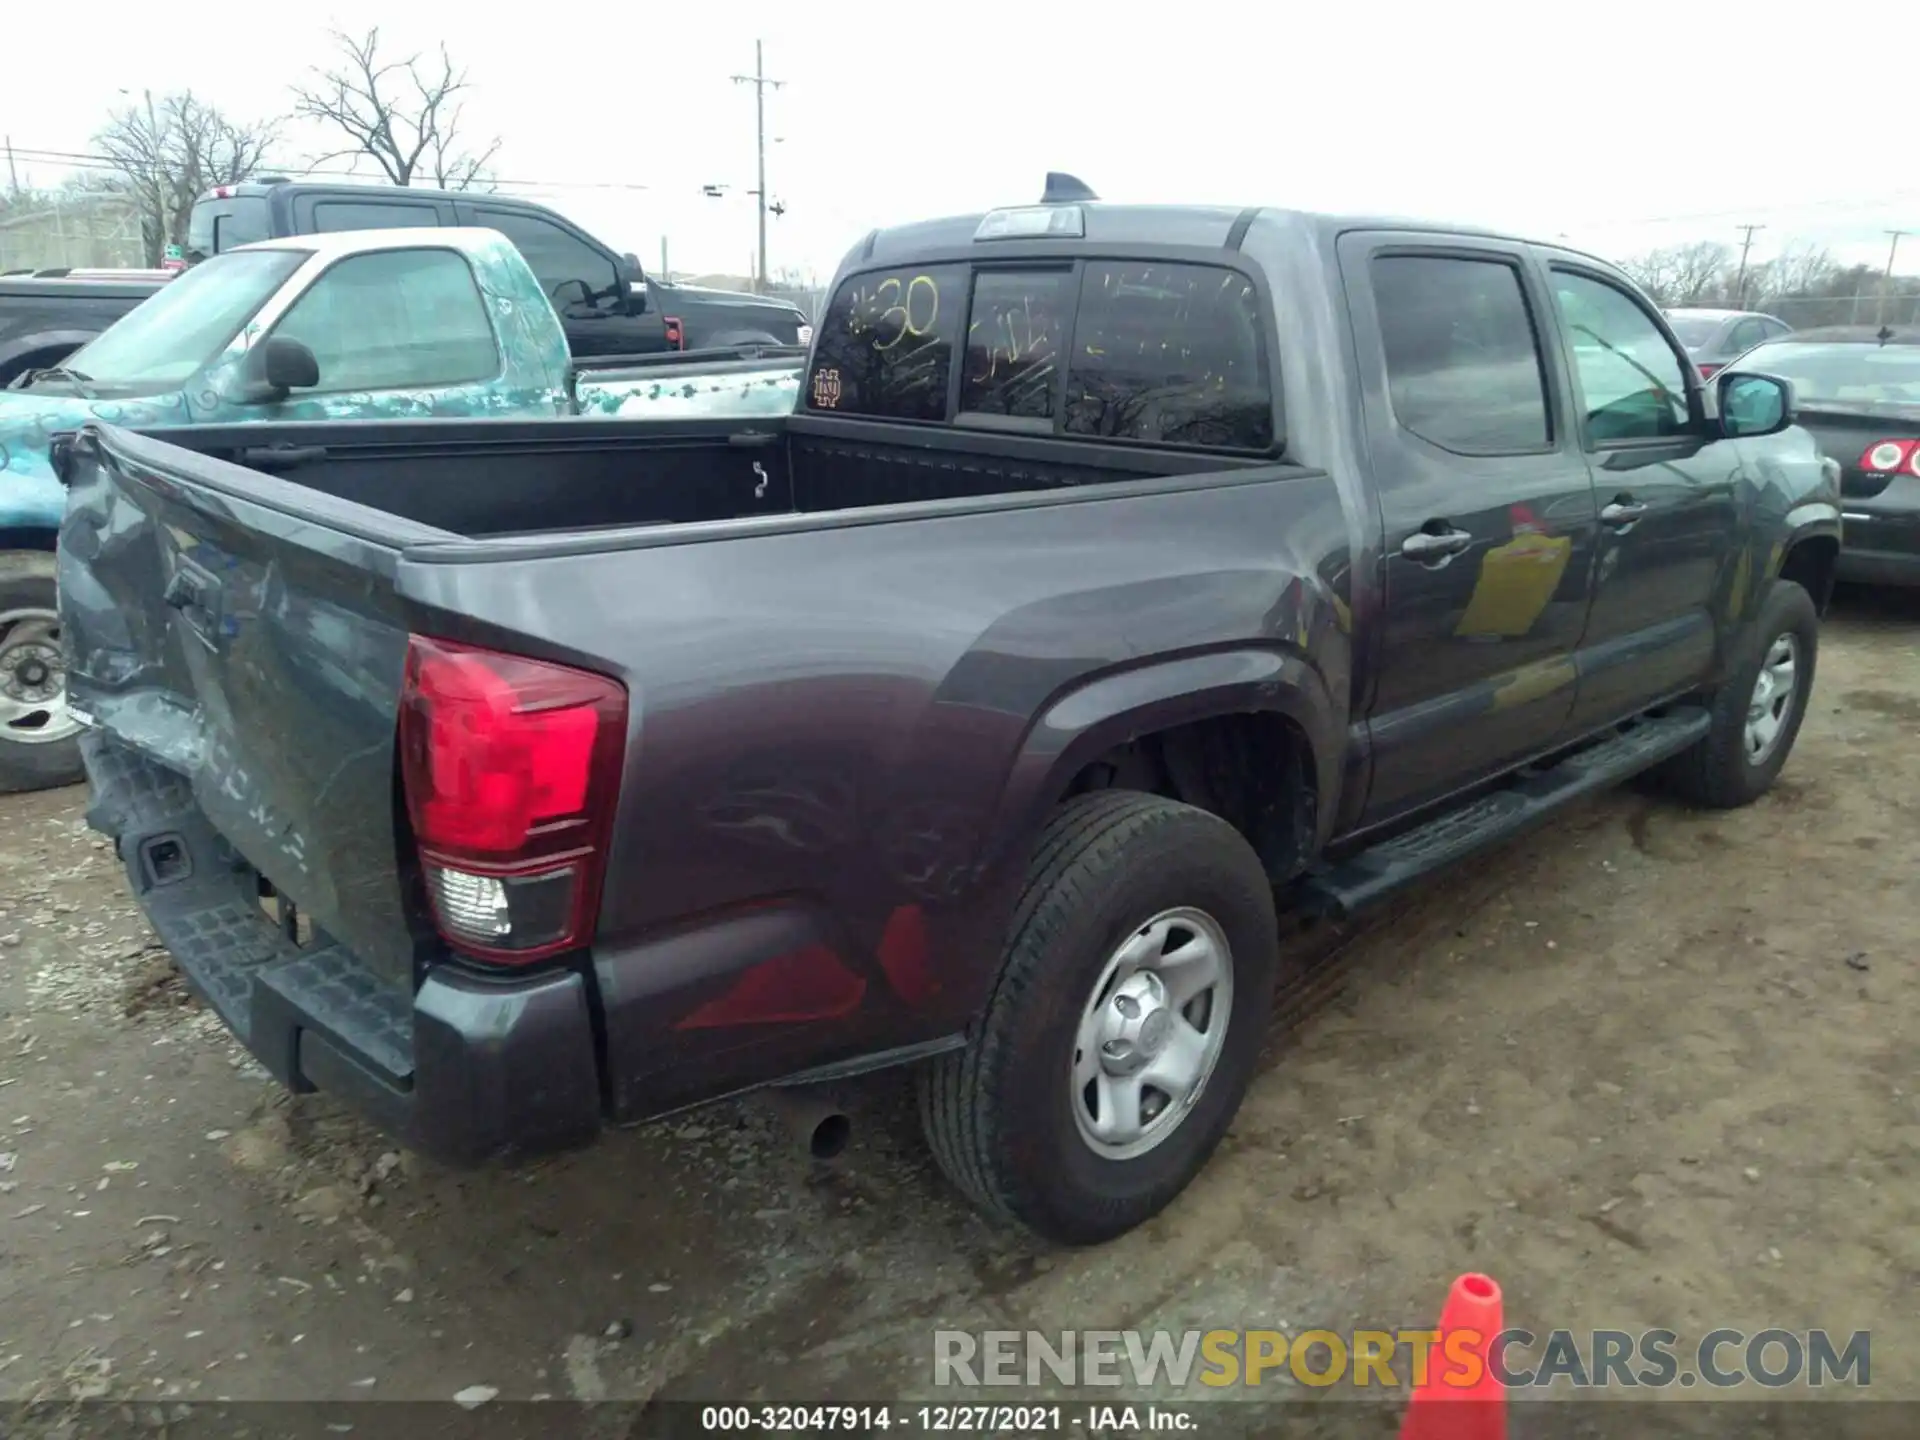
[[405, 114], [169, 151], [1695, 274]]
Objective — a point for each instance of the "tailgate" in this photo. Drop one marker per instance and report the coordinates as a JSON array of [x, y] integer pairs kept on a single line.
[[236, 642]]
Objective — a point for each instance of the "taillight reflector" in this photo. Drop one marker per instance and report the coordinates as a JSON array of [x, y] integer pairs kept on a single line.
[[1707, 367], [1885, 455], [676, 333], [511, 769]]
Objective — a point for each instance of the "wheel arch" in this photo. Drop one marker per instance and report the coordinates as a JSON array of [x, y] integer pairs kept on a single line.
[[1248, 734]]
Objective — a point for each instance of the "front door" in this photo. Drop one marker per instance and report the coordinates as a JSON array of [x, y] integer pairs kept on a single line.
[[1667, 492], [1487, 510]]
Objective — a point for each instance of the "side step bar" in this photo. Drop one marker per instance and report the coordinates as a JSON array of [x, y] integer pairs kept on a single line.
[[1531, 797]]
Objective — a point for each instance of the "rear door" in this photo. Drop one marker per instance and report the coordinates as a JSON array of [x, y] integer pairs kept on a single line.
[[1668, 495], [256, 653], [1487, 510]]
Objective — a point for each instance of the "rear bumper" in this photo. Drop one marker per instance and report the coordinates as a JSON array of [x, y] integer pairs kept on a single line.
[[459, 1068]]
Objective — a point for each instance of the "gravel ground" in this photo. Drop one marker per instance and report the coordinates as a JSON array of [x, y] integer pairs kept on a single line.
[[1648, 1067]]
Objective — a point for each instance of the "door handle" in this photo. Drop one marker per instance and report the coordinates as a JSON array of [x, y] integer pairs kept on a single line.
[[1622, 512], [1428, 546]]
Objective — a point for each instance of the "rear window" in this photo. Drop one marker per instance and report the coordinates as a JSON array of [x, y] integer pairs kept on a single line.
[[1693, 330], [1166, 354], [217, 226]]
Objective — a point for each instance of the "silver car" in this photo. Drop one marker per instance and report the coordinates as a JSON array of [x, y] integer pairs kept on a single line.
[[1716, 338]]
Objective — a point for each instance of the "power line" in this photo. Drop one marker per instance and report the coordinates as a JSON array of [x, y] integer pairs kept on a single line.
[[82, 160], [760, 82]]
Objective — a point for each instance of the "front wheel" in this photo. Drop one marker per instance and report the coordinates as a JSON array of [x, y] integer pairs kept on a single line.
[[39, 738], [1758, 711], [1125, 1025]]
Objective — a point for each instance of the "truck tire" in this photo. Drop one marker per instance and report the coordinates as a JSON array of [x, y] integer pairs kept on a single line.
[[1757, 712], [1126, 896], [39, 741]]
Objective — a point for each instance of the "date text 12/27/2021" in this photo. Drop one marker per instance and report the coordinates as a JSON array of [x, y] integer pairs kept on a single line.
[[946, 1419]]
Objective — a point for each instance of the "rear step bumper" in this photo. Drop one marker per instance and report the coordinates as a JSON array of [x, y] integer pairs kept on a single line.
[[462, 1069]]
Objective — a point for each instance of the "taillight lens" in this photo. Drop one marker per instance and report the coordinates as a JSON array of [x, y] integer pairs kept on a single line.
[[676, 333], [1887, 455], [1707, 367], [511, 769]]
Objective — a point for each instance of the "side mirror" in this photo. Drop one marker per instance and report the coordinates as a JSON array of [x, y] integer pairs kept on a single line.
[[632, 280], [273, 368], [1753, 405]]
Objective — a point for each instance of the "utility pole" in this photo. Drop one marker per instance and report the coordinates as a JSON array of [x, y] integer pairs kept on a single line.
[[760, 82], [665, 274], [1880, 315], [1740, 285], [13, 175]]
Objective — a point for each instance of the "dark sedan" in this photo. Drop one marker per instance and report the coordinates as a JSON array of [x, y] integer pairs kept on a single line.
[[1715, 338], [1858, 388]]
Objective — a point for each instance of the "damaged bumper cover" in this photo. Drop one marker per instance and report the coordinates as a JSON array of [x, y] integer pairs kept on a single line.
[[460, 1068]]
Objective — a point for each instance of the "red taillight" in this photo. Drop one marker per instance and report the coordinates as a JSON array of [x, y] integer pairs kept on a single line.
[[1886, 455], [511, 768], [1707, 367], [676, 333]]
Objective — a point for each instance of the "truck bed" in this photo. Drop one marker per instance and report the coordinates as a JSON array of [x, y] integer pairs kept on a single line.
[[486, 478], [834, 640]]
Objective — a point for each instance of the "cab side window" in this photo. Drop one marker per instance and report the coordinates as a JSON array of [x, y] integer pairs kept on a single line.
[[1463, 361], [395, 320], [1632, 383], [569, 270]]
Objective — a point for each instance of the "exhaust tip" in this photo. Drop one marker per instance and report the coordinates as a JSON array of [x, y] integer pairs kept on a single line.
[[829, 1138]]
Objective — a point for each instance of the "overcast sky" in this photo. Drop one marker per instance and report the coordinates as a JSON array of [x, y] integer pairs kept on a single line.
[[1623, 125]]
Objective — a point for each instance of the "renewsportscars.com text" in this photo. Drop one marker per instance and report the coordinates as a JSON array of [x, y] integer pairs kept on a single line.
[[1392, 1359]]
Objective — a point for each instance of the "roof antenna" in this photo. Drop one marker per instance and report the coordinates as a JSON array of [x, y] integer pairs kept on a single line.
[[1065, 189]]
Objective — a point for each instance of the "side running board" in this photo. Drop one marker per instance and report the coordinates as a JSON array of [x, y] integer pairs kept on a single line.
[[1533, 795]]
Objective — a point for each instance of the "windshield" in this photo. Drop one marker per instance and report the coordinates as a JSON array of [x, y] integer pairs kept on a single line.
[[165, 340], [1693, 331], [1858, 374]]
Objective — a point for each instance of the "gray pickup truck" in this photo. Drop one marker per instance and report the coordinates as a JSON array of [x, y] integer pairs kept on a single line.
[[1127, 575]]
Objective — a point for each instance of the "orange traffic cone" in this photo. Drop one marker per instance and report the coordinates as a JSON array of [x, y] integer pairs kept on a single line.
[[1459, 1369]]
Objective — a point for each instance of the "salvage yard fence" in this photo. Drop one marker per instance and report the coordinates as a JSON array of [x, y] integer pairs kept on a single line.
[[91, 234]]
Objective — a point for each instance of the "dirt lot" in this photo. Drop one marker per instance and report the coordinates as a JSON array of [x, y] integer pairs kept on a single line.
[[1648, 1068]]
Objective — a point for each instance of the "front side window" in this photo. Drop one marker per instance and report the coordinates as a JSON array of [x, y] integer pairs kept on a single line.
[[569, 270], [1463, 364], [182, 328], [395, 320], [1632, 382], [1170, 355], [886, 344]]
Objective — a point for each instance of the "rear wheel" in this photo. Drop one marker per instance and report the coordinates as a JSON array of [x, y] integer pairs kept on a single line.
[[1123, 1032], [1758, 711], [39, 738]]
